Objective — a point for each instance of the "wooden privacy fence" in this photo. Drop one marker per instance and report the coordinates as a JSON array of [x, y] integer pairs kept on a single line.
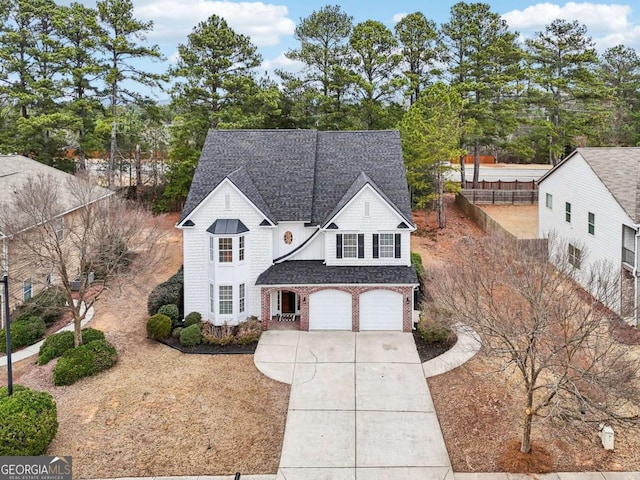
[[501, 197], [503, 185]]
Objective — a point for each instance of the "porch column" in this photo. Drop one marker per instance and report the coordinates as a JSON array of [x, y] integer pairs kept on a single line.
[[304, 309], [355, 309], [265, 307], [407, 309]]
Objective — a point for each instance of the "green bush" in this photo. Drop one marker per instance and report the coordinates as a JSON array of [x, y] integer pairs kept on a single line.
[[25, 331], [191, 336], [158, 326], [176, 332], [171, 311], [49, 305], [55, 345], [170, 291], [433, 331], [84, 361], [416, 261], [194, 318], [29, 422]]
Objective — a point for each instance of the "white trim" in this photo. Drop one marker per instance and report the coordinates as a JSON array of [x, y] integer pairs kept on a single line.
[[213, 192], [332, 285], [357, 194]]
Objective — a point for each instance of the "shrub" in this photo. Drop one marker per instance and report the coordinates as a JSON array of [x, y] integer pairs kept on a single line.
[[434, 331], [55, 345], [416, 261], [176, 332], [248, 332], [84, 361], [158, 326], [194, 318], [25, 331], [167, 292], [49, 305], [29, 421], [171, 311], [191, 336]]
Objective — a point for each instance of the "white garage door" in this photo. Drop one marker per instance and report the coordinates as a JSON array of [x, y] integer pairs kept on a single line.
[[381, 310], [330, 310]]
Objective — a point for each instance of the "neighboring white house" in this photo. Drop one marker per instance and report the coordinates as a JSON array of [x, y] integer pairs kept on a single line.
[[299, 225], [591, 199]]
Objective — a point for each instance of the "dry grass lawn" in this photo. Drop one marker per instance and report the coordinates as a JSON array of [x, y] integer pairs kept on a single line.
[[520, 220], [160, 412], [480, 410]]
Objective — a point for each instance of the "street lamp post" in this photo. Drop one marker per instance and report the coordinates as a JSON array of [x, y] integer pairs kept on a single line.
[[7, 329]]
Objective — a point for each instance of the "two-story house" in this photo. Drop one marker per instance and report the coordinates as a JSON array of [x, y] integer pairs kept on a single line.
[[592, 200], [300, 226]]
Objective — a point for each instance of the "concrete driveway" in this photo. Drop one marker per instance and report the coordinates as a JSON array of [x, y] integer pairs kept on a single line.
[[359, 408]]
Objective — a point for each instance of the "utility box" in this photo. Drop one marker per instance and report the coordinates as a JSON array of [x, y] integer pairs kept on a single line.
[[607, 437]]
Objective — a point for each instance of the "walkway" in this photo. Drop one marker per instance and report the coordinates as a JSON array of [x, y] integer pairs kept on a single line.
[[34, 349], [359, 407]]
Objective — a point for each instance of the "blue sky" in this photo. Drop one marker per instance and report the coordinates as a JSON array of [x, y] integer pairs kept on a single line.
[[270, 24]]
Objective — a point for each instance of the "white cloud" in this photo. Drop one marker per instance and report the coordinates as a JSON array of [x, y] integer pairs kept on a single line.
[[281, 62], [600, 19], [175, 19], [399, 16]]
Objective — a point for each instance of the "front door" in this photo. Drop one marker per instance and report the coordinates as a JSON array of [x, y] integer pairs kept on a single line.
[[288, 302]]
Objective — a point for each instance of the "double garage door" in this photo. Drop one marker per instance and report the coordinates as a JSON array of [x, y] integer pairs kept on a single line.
[[379, 310]]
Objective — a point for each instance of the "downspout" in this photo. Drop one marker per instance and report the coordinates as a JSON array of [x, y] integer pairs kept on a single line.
[[635, 277]]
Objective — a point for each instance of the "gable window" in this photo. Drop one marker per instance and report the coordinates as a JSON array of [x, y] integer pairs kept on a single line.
[[241, 248], [241, 298], [567, 212], [225, 250], [592, 223], [367, 209], [59, 225], [549, 201], [575, 256], [212, 296], [350, 245], [225, 298], [212, 249], [27, 290], [387, 245]]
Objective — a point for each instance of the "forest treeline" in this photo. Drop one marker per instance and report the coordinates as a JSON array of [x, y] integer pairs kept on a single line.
[[70, 78]]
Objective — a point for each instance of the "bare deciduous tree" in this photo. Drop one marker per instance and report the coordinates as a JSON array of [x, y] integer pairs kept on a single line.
[[77, 231], [539, 324]]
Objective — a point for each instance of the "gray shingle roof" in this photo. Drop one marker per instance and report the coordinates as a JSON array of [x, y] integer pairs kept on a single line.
[[619, 170], [227, 226], [315, 272], [301, 175]]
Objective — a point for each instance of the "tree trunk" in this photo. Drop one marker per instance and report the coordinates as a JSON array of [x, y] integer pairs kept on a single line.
[[463, 176], [525, 446], [476, 163], [138, 174], [114, 141], [440, 209], [77, 329]]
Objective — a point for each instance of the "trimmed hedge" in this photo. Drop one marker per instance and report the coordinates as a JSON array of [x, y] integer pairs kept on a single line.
[[194, 318], [171, 311], [29, 422], [25, 331], [84, 361], [55, 345], [191, 336], [159, 326], [170, 291], [49, 305]]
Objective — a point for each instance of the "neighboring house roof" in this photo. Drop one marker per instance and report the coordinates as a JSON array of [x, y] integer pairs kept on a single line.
[[15, 170], [315, 272], [302, 175], [619, 170]]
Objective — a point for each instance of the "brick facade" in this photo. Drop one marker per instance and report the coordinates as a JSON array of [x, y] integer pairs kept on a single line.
[[355, 291]]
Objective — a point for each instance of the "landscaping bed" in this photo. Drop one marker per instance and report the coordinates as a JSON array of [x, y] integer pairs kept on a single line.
[[430, 350], [209, 349]]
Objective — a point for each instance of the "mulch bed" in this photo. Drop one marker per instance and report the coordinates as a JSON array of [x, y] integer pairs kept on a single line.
[[428, 351], [209, 349]]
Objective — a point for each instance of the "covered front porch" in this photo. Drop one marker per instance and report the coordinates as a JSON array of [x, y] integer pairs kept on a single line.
[[284, 310]]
